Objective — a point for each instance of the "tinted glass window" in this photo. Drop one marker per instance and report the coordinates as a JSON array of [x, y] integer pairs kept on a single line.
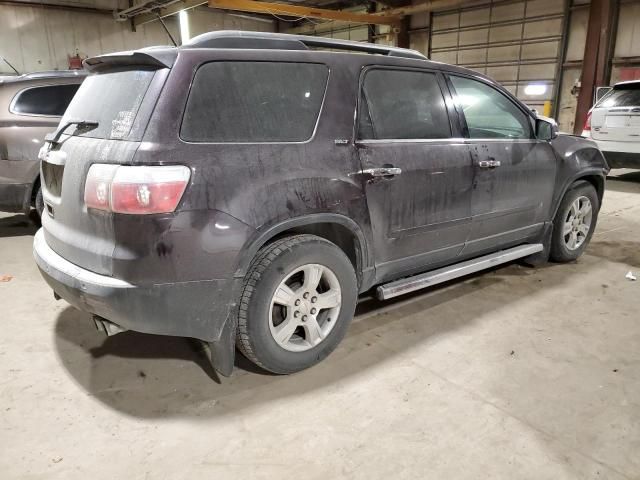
[[398, 104], [254, 102], [112, 100], [488, 112], [50, 100], [626, 96]]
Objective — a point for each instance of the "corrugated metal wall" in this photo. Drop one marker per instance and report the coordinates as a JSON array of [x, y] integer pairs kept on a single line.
[[627, 52], [515, 42], [40, 38]]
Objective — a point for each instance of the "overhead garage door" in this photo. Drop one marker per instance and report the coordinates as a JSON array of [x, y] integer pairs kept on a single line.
[[518, 43]]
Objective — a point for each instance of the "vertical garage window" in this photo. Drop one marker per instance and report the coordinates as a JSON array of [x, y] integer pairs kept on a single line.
[[402, 104], [49, 100], [254, 102], [489, 113]]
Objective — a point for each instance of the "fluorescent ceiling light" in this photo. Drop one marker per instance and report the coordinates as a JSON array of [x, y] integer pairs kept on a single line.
[[535, 89], [184, 26]]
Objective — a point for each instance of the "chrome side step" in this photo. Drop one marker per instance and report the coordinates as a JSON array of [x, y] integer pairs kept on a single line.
[[423, 280]]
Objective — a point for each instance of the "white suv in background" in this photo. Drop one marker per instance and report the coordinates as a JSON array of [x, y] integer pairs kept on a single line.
[[614, 124]]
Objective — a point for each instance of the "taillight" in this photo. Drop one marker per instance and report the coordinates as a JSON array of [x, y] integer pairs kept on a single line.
[[587, 123], [135, 190]]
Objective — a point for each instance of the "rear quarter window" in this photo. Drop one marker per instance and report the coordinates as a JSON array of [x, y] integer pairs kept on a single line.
[[252, 102], [48, 100]]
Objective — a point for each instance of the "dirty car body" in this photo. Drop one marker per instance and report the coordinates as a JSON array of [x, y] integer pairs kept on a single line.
[[181, 272]]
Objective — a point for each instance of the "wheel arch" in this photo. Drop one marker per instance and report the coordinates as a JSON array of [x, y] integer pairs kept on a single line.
[[338, 229], [35, 185], [595, 178]]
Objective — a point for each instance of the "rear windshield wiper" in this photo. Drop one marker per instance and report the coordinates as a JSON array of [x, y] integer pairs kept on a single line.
[[81, 124]]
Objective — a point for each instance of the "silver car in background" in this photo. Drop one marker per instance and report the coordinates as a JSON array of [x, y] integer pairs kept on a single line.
[[30, 107]]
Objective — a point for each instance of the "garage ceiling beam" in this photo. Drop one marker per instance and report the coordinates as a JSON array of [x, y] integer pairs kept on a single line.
[[424, 7], [57, 6], [390, 16], [304, 12]]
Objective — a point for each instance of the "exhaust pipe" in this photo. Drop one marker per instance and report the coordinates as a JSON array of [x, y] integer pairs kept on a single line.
[[109, 328]]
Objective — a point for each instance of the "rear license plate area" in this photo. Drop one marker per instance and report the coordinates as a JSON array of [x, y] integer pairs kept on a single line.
[[52, 178]]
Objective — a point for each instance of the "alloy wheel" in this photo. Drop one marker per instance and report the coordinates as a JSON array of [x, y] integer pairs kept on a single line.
[[577, 223], [305, 307]]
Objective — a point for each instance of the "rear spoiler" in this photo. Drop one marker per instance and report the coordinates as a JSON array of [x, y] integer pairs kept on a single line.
[[153, 58]]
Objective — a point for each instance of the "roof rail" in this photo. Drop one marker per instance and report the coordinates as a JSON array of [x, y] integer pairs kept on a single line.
[[283, 41], [44, 75]]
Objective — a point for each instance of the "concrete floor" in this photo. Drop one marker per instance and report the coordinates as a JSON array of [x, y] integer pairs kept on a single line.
[[516, 373]]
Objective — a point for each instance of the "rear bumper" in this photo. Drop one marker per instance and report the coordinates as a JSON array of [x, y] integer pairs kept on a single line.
[[619, 154], [622, 159], [196, 309], [14, 197]]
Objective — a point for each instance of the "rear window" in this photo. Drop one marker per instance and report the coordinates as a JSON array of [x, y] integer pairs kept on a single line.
[[49, 100], [254, 102], [625, 96], [112, 100]]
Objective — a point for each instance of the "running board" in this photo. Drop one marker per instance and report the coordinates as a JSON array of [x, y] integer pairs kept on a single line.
[[423, 280]]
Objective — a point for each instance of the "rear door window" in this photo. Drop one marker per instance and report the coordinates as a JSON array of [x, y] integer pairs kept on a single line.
[[112, 99], [402, 104], [48, 100], [622, 96], [249, 102]]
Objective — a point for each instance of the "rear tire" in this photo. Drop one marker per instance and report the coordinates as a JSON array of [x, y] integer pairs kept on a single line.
[[298, 298], [575, 222]]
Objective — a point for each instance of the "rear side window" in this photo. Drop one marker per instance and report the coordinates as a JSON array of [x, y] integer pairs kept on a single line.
[[488, 112], [254, 102], [402, 104], [111, 99], [626, 96], [50, 100]]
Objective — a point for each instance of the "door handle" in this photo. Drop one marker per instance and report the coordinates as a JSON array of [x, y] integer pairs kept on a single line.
[[489, 163], [382, 171]]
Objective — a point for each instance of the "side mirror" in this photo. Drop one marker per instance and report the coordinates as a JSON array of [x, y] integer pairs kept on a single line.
[[546, 129], [601, 92]]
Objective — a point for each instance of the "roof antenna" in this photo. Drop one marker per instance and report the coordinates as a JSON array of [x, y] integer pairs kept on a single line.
[[165, 28], [12, 67]]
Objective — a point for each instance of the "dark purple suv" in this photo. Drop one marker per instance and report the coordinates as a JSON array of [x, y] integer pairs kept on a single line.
[[243, 189]]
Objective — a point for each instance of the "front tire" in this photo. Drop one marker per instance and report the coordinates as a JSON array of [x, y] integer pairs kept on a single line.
[[575, 222], [297, 301]]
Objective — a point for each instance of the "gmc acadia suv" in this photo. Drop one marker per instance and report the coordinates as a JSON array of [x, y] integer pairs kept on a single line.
[[244, 188]]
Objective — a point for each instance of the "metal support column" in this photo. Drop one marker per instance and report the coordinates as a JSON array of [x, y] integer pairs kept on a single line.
[[596, 64], [403, 38], [371, 28]]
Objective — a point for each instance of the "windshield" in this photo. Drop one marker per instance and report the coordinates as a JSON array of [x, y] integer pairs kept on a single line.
[[110, 99], [622, 96]]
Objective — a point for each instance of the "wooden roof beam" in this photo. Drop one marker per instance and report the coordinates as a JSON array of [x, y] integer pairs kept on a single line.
[[304, 11]]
